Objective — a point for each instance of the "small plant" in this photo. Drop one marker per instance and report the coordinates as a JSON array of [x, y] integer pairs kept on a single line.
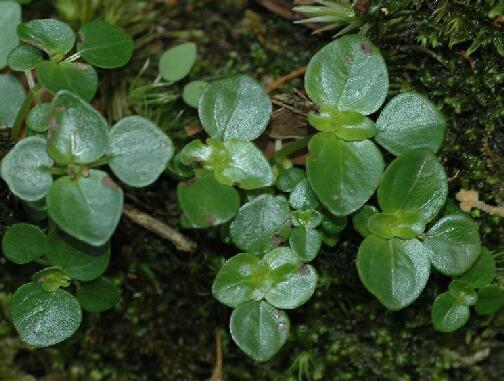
[[55, 170]]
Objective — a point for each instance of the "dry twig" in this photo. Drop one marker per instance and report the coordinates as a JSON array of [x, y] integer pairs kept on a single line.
[[280, 82]]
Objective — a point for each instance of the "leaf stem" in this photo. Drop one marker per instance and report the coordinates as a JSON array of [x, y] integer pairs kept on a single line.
[[289, 149], [73, 57], [23, 111], [98, 163]]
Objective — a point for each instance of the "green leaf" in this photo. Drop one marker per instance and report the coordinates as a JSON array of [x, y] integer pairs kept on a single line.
[[192, 92], [239, 163], [259, 329], [414, 181], [78, 134], [242, 278], [12, 95], [361, 218], [348, 74], [293, 282], [463, 292], [77, 259], [289, 178], [76, 77], [262, 224], [24, 58], [490, 300], [104, 45], [44, 318], [235, 108], [483, 271], [206, 202], [38, 118], [98, 296], [25, 169], [51, 279], [87, 208], [302, 196], [405, 224], [52, 36], [448, 314], [138, 151], [195, 154], [23, 243], [177, 62], [409, 122], [10, 17], [305, 243], [455, 244], [344, 175], [395, 271], [308, 218]]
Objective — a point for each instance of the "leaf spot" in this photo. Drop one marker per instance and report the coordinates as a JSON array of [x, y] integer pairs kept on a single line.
[[109, 183]]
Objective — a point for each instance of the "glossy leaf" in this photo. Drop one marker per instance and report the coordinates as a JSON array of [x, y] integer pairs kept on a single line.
[[25, 169], [205, 202], [10, 17], [302, 196], [176, 63], [44, 318], [242, 278], [463, 292], [138, 151], [51, 279], [409, 122], [52, 36], [483, 271], [77, 259], [23, 243], [414, 181], [289, 178], [308, 218], [192, 92], [235, 108], [348, 74], [261, 224], [78, 78], [361, 218], [333, 225], [104, 45], [12, 95], [98, 296], [259, 329], [405, 224], [195, 154], [87, 208], [455, 244], [490, 300], [78, 134], [24, 57], [346, 125], [448, 314], [305, 243], [38, 118], [395, 271], [344, 175]]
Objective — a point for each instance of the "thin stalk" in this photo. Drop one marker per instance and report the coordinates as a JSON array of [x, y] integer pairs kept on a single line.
[[98, 163], [290, 149], [23, 112]]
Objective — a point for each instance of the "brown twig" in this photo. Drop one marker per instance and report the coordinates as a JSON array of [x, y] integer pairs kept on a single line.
[[217, 374], [280, 82], [283, 9], [159, 228]]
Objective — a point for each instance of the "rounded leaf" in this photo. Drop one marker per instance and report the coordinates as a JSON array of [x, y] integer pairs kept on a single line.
[[448, 314], [78, 78], [289, 178], [10, 17], [261, 224], [205, 202], [77, 259], [87, 208], [395, 271], [44, 318], [344, 175], [241, 278], [176, 63], [455, 244], [308, 218], [305, 243], [139, 151], [463, 292], [22, 243], [192, 92], [408, 122], [361, 218], [78, 134], [98, 296], [483, 271], [24, 58], [259, 329], [37, 119], [490, 300], [348, 74], [12, 95], [302, 196], [235, 108], [104, 45], [414, 181], [25, 169], [52, 36]]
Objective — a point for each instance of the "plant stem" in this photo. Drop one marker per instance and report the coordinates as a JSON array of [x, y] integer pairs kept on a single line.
[[58, 171], [23, 111], [98, 163], [289, 149]]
